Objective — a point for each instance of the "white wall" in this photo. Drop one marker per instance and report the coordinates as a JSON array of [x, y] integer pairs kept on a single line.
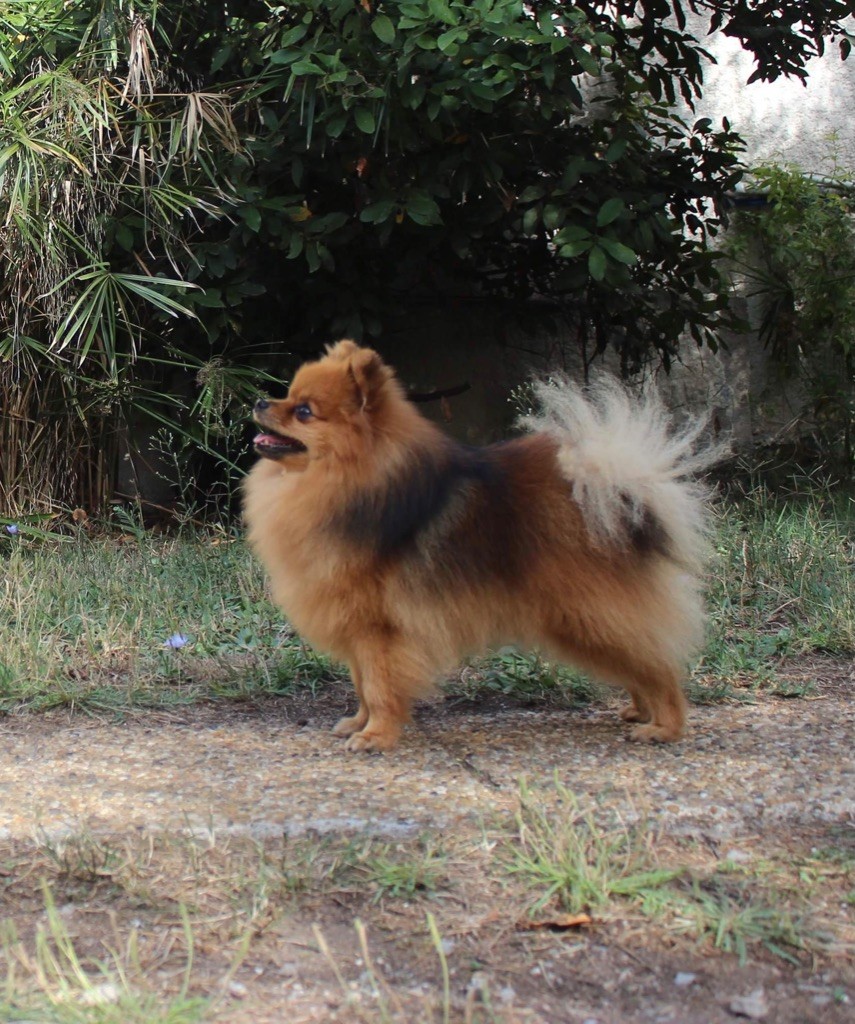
[[782, 121]]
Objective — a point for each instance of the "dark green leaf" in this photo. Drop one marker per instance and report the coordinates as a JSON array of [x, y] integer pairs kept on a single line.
[[211, 298], [447, 42], [423, 209], [383, 28], [597, 263], [590, 65], [610, 211], [378, 212], [124, 236], [292, 36], [618, 251], [575, 248], [531, 193], [553, 216], [365, 120], [441, 10], [220, 57], [252, 217], [295, 247], [572, 233], [306, 67], [616, 150]]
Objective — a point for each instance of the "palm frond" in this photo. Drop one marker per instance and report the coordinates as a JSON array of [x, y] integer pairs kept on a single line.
[[142, 59]]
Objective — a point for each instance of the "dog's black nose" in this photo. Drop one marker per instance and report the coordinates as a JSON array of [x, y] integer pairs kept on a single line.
[[261, 405]]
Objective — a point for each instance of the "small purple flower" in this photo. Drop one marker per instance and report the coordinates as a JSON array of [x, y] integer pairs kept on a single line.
[[177, 641], [12, 529]]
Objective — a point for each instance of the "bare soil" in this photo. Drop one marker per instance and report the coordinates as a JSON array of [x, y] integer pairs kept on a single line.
[[255, 819]]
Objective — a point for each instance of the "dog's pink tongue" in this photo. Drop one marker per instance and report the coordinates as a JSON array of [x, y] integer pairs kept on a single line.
[[265, 439]]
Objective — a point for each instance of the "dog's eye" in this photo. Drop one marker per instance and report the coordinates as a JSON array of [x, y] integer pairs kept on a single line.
[[303, 412]]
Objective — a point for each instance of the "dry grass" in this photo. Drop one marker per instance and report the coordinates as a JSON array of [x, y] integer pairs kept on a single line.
[[179, 928]]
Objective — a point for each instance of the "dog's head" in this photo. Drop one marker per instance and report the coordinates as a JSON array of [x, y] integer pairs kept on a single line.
[[330, 410]]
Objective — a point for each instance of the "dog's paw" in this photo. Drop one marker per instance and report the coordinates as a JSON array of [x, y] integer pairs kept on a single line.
[[631, 713], [368, 741], [348, 726], [655, 734]]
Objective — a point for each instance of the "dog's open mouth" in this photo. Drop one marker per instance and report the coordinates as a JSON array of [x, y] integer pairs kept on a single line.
[[273, 446]]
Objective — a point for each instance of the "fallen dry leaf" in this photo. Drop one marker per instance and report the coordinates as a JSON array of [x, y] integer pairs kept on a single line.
[[559, 922]]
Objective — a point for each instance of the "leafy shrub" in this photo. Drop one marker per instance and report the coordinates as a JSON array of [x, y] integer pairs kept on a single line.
[[799, 253]]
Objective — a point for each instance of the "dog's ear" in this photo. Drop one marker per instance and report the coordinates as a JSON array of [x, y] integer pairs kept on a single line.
[[342, 350], [369, 374]]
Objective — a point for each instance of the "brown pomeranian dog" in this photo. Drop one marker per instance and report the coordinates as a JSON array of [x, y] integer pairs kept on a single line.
[[399, 551]]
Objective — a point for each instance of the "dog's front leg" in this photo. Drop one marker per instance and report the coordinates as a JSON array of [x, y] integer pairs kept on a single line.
[[353, 723], [385, 687]]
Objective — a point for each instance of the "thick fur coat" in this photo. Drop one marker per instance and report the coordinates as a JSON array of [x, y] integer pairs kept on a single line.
[[399, 551]]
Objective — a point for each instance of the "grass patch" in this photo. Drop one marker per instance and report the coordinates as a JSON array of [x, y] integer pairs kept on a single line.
[[175, 929], [523, 675], [53, 982], [576, 858], [161, 929], [403, 871], [81, 860], [239, 881], [91, 624], [591, 861], [781, 584], [372, 1000], [734, 917], [152, 621]]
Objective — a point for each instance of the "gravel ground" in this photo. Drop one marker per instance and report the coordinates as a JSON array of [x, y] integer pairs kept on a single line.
[[777, 774], [743, 768]]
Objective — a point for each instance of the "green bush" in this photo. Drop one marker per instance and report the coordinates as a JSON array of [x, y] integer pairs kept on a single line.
[[798, 252], [187, 186]]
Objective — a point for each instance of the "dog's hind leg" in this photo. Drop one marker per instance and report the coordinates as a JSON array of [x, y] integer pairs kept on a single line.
[[653, 683], [637, 711], [657, 702]]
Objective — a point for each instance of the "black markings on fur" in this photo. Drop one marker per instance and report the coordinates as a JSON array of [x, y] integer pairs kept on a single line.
[[392, 520], [446, 521], [646, 533]]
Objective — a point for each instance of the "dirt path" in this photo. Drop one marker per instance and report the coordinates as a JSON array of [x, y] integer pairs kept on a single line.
[[753, 783]]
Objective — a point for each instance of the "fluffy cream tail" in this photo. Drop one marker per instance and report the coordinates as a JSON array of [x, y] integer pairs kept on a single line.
[[626, 462]]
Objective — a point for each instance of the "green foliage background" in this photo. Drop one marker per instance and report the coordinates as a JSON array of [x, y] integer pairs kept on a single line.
[[798, 256], [190, 192]]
